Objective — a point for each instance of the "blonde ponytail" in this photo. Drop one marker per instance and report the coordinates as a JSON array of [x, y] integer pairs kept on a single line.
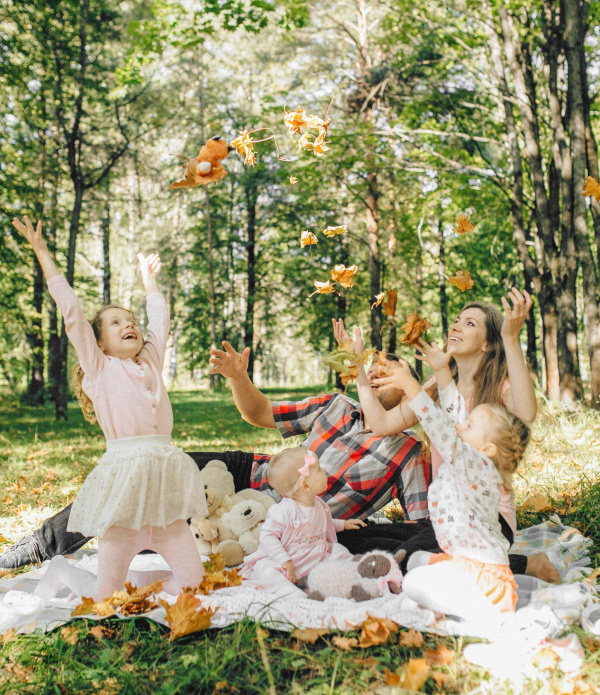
[[85, 401]]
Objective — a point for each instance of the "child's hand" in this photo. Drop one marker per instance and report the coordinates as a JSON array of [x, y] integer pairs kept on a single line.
[[515, 318], [34, 237], [149, 265], [351, 524], [289, 571], [431, 354], [399, 377]]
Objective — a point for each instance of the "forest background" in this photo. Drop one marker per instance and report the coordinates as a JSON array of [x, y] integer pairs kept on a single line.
[[484, 108]]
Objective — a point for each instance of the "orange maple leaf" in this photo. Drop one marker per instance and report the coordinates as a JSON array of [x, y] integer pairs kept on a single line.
[[344, 276], [294, 120], [323, 288], [462, 280], [85, 607], [440, 655], [389, 306], [309, 634], [307, 239], [376, 631], [332, 231], [415, 674], [378, 299], [345, 643], [309, 142], [412, 639], [414, 327], [591, 187], [463, 225], [184, 617], [245, 145]]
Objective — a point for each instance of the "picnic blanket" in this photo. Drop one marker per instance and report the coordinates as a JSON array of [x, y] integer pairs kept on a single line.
[[22, 611]]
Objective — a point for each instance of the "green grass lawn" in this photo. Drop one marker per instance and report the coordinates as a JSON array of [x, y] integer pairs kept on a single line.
[[43, 465]]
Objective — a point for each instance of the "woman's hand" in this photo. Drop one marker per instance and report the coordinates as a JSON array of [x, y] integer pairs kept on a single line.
[[351, 524], [230, 363], [515, 318], [33, 236], [289, 571], [432, 355]]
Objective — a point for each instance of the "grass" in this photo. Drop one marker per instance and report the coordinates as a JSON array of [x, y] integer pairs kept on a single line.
[[44, 463]]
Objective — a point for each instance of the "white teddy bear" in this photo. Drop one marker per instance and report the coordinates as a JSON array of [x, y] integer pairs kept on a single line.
[[239, 529]]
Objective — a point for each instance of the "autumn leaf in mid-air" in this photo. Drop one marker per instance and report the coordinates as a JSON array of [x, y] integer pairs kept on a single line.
[[463, 225], [389, 306], [414, 327], [463, 281], [309, 142], [186, 615], [323, 288], [332, 231], [245, 145], [293, 180], [294, 120], [344, 276], [591, 187], [307, 239], [378, 299]]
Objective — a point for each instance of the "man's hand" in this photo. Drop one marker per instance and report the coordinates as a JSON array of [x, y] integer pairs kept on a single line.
[[351, 524], [289, 571], [229, 363]]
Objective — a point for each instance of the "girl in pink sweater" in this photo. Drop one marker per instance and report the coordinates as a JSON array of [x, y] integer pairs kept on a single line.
[[143, 488]]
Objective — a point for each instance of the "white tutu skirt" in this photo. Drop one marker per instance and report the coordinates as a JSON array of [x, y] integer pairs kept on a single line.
[[139, 481]]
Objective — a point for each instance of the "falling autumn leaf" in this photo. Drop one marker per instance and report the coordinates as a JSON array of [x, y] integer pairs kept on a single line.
[[389, 306], [323, 288], [463, 225], [376, 631], [332, 231], [245, 145], [293, 180], [411, 639], [186, 615], [462, 280], [317, 123], [440, 656], [294, 120], [310, 634], [378, 299], [591, 187], [307, 238], [344, 276], [349, 375], [414, 328], [345, 643]]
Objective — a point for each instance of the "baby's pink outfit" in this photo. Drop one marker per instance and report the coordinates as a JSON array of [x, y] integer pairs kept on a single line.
[[293, 531]]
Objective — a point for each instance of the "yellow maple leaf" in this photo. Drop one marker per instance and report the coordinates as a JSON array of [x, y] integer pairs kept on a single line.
[[186, 615], [294, 120], [349, 375], [70, 635], [345, 643], [440, 655], [414, 327], [591, 187], [293, 180], [462, 280], [344, 276], [378, 299], [245, 145], [391, 678], [307, 238], [412, 639], [309, 634], [85, 607], [463, 225], [363, 357], [389, 306], [100, 632], [332, 231], [538, 503], [376, 631], [415, 674], [323, 288]]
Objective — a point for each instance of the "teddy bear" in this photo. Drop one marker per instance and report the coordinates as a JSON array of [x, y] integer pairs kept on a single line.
[[239, 530], [221, 497], [361, 577], [206, 167]]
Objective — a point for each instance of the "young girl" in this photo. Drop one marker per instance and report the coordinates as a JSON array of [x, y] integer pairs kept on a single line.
[[143, 488], [299, 531], [472, 579]]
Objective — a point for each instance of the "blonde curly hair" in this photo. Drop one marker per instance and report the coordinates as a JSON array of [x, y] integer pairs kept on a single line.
[[77, 372], [511, 437]]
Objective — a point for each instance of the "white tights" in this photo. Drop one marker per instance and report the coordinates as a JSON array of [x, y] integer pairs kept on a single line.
[[116, 549]]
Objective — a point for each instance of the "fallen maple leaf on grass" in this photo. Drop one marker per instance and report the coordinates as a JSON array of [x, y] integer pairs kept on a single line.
[[310, 634], [462, 280], [376, 631], [414, 328], [412, 676], [463, 225], [411, 639], [293, 180], [538, 503], [440, 655], [70, 635], [184, 617], [99, 632], [345, 643], [591, 187]]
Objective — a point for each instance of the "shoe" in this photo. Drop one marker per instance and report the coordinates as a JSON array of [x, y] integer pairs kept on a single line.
[[25, 552]]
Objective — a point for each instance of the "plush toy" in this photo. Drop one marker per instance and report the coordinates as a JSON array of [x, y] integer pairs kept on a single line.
[[206, 167], [362, 577], [239, 530]]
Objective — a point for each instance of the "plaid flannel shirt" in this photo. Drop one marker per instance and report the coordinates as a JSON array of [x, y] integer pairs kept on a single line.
[[364, 472]]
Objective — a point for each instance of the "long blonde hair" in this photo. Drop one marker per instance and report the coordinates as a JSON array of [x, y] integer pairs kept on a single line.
[[77, 373]]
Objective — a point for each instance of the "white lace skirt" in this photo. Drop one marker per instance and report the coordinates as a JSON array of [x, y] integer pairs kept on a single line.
[[139, 481]]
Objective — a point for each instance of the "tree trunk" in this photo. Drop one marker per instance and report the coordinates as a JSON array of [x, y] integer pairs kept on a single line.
[[53, 337], [442, 278], [106, 274], [211, 285], [251, 197]]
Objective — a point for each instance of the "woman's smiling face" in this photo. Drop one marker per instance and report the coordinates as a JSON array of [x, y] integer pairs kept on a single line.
[[468, 333]]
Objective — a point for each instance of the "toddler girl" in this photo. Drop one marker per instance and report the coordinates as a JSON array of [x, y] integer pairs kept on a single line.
[[299, 531], [472, 579], [143, 488]]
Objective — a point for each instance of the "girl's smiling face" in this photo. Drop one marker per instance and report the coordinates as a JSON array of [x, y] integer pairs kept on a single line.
[[119, 334], [468, 333]]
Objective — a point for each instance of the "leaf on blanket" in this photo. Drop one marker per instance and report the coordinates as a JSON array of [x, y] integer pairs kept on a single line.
[[415, 674], [216, 580], [538, 503], [70, 634], [572, 685], [376, 631], [345, 643], [546, 659], [183, 616], [441, 655], [310, 634], [411, 639], [85, 607], [215, 563], [99, 633], [104, 609]]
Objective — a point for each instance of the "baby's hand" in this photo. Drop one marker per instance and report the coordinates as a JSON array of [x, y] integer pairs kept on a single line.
[[34, 237], [289, 571], [351, 524], [431, 354]]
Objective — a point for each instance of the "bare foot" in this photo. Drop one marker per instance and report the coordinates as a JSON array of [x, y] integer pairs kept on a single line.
[[539, 566]]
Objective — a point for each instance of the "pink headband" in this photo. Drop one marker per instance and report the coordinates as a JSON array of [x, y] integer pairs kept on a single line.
[[304, 471]]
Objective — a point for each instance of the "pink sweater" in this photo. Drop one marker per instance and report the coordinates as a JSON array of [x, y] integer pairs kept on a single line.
[[130, 398]]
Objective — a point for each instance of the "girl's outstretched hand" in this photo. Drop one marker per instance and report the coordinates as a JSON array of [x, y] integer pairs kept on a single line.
[[33, 236], [351, 524], [515, 318], [432, 355], [150, 265], [229, 363]]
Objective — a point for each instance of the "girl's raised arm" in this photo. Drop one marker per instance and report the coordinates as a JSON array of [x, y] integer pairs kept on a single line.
[[38, 244]]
